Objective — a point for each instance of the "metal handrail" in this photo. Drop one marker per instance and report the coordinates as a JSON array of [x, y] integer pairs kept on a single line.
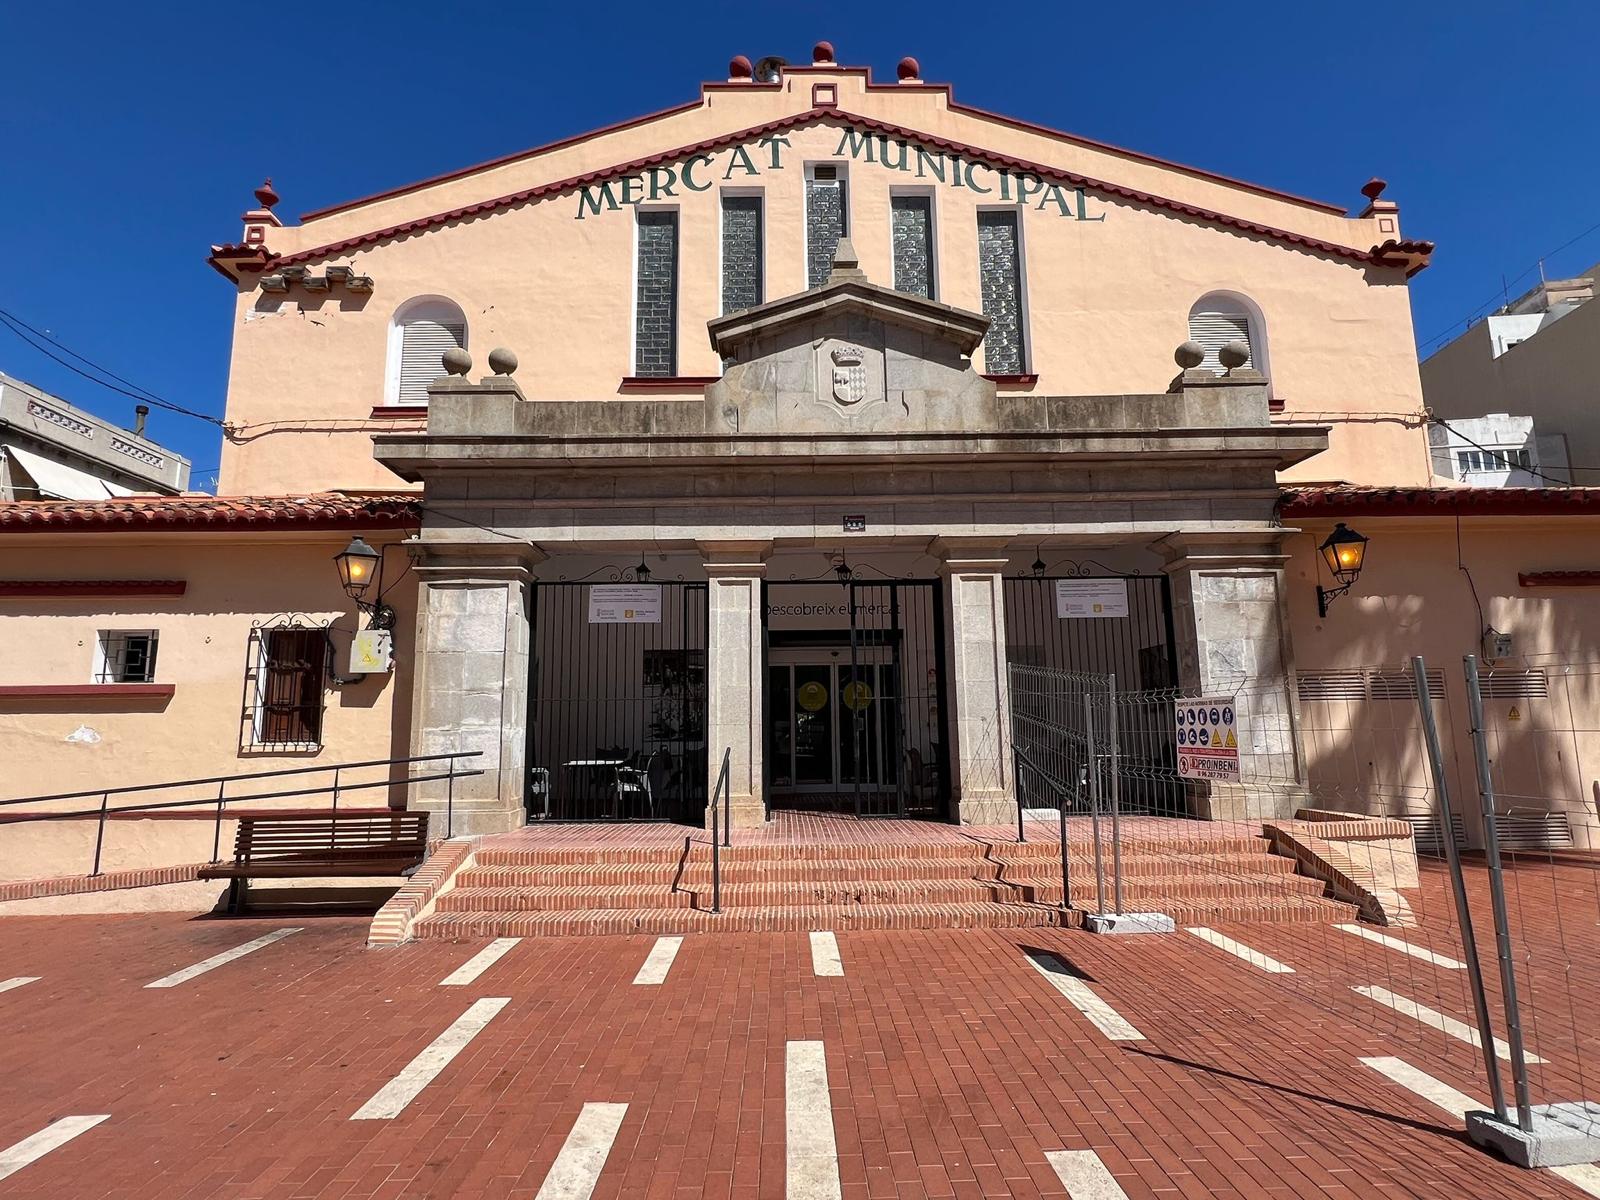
[[722, 793], [1062, 798], [221, 799]]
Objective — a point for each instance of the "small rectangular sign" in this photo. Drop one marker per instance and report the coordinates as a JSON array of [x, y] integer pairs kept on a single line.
[[1207, 735], [625, 604], [855, 523], [1091, 598], [371, 652]]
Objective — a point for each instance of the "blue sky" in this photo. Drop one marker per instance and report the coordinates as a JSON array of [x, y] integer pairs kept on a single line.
[[132, 135]]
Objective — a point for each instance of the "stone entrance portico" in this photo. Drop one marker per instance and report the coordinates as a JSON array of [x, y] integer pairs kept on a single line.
[[847, 400]]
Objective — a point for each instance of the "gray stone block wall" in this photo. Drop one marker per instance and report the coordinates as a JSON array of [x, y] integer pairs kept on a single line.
[[655, 310], [825, 209], [911, 219], [1000, 275], [741, 252]]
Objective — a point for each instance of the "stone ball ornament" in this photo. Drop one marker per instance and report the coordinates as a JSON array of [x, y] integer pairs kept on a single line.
[[909, 70], [1189, 355], [739, 68], [822, 54], [456, 361], [502, 361], [1234, 354]]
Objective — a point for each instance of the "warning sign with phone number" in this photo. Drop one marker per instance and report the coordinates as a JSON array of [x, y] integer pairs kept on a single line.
[[1207, 735]]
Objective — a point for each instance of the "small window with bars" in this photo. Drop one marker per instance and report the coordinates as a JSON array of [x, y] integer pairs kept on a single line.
[[288, 667], [125, 656]]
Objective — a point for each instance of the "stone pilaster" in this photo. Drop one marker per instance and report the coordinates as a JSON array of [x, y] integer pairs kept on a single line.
[[471, 682], [978, 688], [734, 676], [1230, 620]]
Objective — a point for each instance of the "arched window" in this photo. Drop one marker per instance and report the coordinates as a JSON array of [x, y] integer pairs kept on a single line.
[[422, 330], [1218, 318]]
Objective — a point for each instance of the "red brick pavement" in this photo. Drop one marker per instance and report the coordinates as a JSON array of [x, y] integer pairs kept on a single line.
[[953, 1064]]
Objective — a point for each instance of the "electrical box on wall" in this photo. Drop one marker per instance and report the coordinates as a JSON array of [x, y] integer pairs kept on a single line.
[[1497, 645], [371, 652]]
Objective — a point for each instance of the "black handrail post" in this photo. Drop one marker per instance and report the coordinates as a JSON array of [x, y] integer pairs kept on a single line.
[[1061, 812], [1016, 786], [216, 833], [727, 798], [450, 801], [100, 833], [716, 851]]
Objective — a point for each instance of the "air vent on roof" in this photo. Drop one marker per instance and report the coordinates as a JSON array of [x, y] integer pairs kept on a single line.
[[1513, 685]]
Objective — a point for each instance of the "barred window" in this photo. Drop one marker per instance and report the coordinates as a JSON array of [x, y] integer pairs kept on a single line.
[[125, 656], [655, 309], [290, 666]]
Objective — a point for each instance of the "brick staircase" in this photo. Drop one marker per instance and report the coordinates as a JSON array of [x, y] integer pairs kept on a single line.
[[522, 889]]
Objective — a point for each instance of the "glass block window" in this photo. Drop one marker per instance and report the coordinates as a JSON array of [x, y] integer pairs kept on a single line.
[[827, 220], [741, 252], [655, 309], [126, 656], [1000, 278], [911, 224]]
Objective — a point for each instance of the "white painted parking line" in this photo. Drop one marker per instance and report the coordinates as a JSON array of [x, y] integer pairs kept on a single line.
[[218, 960], [1458, 1104], [825, 958], [400, 1091], [35, 1146], [1101, 1015], [1434, 1091], [1428, 956], [480, 962], [659, 961], [18, 981], [811, 1169], [1459, 1030], [1239, 950], [1084, 1176], [583, 1155]]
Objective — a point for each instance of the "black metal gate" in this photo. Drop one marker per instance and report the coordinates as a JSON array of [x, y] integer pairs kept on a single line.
[[1051, 622], [617, 703], [855, 712]]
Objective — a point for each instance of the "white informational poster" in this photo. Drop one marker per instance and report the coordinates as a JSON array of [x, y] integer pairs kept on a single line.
[[1208, 740], [625, 604], [1091, 597], [371, 652]]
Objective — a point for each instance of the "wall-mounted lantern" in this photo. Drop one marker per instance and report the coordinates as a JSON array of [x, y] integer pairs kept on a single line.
[[361, 571], [1345, 552]]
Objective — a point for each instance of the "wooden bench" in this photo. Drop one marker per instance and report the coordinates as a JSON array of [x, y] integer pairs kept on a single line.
[[321, 845]]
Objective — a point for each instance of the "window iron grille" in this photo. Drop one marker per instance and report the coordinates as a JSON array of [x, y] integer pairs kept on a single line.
[[286, 674], [126, 656]]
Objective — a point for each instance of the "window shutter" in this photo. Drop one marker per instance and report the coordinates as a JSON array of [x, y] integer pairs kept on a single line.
[[422, 347], [1213, 330]]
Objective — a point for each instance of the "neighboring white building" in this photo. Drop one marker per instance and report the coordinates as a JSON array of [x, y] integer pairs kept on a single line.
[[52, 450], [1498, 450], [1539, 355]]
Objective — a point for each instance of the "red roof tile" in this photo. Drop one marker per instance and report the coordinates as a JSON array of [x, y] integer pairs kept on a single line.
[[326, 510], [1438, 501]]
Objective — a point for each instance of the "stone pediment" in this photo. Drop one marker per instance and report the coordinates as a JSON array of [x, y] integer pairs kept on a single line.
[[849, 356]]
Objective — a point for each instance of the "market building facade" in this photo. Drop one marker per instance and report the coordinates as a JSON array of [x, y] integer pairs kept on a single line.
[[767, 433]]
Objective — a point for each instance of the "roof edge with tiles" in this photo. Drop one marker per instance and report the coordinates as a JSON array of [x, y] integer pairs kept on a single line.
[[309, 512]]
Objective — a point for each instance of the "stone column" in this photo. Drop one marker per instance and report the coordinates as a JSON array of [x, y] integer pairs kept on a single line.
[[471, 682], [1230, 621], [734, 676], [978, 689]]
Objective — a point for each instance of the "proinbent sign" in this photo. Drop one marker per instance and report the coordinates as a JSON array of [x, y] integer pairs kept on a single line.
[[1207, 734]]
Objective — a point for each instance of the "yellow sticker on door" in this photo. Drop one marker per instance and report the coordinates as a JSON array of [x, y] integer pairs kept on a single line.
[[813, 696]]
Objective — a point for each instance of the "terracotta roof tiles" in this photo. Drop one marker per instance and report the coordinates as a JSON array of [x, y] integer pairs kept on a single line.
[[316, 511]]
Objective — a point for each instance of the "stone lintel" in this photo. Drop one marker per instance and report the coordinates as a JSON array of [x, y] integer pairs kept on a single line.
[[496, 559], [1199, 550], [739, 557], [975, 554]]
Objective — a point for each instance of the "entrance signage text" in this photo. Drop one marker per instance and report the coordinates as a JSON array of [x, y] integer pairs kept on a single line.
[[737, 164], [625, 604], [1207, 736], [1078, 598]]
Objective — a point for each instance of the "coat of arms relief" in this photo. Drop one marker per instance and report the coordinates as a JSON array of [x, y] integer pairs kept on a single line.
[[849, 375]]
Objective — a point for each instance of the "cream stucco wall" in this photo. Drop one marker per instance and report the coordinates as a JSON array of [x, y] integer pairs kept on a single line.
[[1107, 300]]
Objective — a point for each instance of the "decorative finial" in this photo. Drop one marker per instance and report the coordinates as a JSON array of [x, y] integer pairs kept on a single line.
[[266, 196], [1373, 188], [1234, 354], [846, 264], [822, 54], [740, 70], [1189, 355], [456, 361], [502, 361], [909, 70]]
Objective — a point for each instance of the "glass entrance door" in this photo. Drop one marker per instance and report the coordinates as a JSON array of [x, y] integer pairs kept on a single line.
[[829, 723]]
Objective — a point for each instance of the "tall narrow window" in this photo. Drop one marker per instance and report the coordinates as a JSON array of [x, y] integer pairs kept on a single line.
[[1000, 276], [827, 220], [655, 309], [290, 669], [1220, 318], [422, 330], [911, 223], [741, 252]]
